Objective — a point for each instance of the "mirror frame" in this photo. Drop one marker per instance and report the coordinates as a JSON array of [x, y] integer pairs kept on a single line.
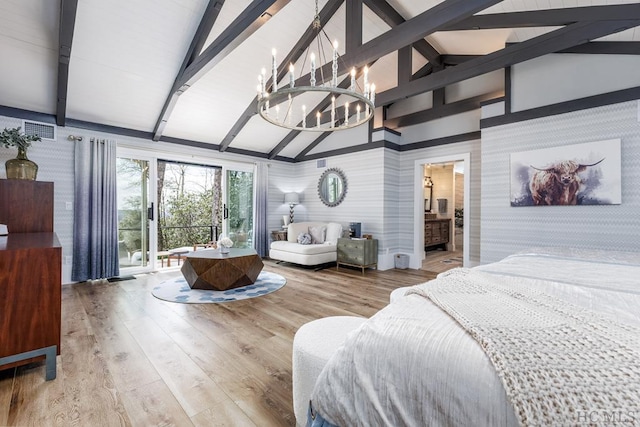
[[321, 181]]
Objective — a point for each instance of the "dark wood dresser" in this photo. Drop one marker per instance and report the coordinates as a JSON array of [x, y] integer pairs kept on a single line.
[[30, 276], [436, 233]]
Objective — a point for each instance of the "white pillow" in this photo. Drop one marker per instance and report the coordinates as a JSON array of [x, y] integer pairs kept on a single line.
[[334, 231], [317, 234]]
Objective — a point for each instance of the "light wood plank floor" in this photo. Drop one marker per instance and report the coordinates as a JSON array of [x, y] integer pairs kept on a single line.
[[131, 359]]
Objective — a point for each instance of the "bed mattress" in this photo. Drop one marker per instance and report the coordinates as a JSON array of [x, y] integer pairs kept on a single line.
[[412, 364]]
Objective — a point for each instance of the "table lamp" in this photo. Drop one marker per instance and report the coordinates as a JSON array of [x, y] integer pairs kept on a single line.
[[292, 199]]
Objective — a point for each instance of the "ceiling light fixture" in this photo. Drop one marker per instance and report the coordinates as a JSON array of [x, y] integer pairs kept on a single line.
[[342, 108]]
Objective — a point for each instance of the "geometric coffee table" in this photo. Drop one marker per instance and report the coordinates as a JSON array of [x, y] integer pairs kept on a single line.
[[209, 269]]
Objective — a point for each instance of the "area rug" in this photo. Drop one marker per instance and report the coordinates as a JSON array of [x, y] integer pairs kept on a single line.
[[178, 290]]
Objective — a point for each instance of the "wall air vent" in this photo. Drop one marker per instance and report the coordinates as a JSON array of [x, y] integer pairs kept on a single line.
[[43, 130], [322, 163]]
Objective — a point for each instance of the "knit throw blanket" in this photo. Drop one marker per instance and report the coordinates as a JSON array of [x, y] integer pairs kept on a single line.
[[560, 364]]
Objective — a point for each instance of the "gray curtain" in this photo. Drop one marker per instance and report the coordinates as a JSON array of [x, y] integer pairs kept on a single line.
[[261, 231], [95, 230]]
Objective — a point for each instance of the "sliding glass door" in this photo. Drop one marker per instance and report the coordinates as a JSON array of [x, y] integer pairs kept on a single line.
[[189, 204], [135, 214], [168, 205], [238, 208]]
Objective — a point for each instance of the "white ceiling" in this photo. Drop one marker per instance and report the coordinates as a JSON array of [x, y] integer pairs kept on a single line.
[[126, 55]]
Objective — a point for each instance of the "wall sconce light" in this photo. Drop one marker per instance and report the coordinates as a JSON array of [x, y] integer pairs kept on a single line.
[[428, 184]]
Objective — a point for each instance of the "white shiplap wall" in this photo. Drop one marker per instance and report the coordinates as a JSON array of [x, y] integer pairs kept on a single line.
[[372, 195], [507, 229]]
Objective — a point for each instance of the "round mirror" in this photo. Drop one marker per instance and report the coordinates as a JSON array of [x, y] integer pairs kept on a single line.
[[332, 187]]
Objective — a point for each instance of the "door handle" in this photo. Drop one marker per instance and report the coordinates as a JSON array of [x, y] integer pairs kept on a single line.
[[150, 212], [225, 212]]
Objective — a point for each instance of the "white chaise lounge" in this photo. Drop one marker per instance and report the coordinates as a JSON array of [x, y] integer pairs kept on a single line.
[[311, 254]]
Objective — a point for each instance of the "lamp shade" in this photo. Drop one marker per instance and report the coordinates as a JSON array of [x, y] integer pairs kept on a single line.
[[291, 198]]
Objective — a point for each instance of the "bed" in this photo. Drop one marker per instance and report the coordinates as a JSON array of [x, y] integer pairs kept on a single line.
[[548, 336]]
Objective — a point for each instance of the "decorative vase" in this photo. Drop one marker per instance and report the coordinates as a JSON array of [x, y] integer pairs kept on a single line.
[[224, 250], [21, 167]]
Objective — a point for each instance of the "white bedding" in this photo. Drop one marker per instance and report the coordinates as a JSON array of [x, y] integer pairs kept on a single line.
[[412, 365]]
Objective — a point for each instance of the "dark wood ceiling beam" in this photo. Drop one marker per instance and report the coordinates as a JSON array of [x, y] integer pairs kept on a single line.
[[458, 59], [282, 144], [388, 14], [68, 9], [353, 25], [440, 111], [405, 64], [547, 18], [606, 48], [247, 23], [563, 38], [209, 18], [441, 15], [197, 43], [295, 53], [424, 71], [311, 146]]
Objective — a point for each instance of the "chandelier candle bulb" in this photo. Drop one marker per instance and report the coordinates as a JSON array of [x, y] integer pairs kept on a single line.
[[334, 79], [366, 76], [292, 77], [289, 112], [277, 113], [366, 90], [333, 110], [372, 94], [304, 116], [346, 114], [353, 79], [274, 71], [358, 113], [313, 69], [318, 120]]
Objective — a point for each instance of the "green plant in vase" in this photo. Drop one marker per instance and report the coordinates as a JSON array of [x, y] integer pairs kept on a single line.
[[20, 167]]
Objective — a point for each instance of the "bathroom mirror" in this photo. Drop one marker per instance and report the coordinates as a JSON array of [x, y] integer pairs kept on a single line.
[[332, 187]]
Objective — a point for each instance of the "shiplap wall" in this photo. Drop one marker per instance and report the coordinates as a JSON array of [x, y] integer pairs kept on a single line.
[[282, 179], [372, 195], [507, 229]]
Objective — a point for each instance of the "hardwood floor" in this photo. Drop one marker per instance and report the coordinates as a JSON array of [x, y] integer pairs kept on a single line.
[[130, 359]]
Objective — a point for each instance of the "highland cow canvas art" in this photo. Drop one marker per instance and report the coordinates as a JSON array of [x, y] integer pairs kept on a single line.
[[580, 174]]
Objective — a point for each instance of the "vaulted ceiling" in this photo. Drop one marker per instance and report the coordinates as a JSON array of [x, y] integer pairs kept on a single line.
[[186, 70]]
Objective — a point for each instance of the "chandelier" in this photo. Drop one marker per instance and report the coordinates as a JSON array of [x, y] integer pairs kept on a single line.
[[342, 108]]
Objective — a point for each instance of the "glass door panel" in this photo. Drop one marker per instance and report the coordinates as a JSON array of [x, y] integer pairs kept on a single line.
[[238, 209], [135, 210], [189, 204]]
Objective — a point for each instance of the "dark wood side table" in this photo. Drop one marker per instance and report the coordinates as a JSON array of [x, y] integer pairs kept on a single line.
[[362, 253], [279, 235]]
